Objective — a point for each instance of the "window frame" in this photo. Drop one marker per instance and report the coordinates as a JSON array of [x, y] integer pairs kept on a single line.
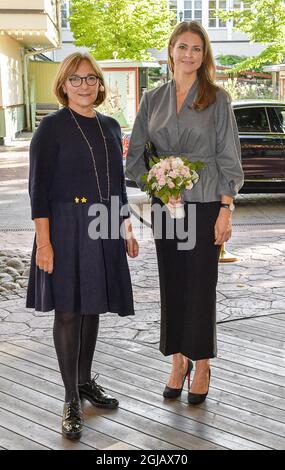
[[65, 5], [263, 106], [193, 10], [217, 19]]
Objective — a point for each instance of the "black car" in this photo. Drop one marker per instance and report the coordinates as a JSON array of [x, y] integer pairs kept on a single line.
[[261, 126]]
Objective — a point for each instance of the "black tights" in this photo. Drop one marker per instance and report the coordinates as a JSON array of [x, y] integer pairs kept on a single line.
[[75, 340]]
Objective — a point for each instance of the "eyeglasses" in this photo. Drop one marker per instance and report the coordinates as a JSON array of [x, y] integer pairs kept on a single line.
[[77, 81]]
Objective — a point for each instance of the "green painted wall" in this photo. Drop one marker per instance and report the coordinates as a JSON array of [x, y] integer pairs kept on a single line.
[[42, 74], [20, 110], [12, 120], [2, 123]]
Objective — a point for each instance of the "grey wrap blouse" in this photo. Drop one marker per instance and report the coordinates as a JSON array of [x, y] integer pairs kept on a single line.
[[210, 135]]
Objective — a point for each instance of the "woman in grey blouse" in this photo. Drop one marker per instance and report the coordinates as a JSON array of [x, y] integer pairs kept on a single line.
[[190, 116]]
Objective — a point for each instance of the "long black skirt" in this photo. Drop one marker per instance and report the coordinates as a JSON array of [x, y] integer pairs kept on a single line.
[[89, 277], [188, 280]]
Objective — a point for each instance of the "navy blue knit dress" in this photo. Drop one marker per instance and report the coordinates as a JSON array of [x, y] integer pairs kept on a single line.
[[91, 275]]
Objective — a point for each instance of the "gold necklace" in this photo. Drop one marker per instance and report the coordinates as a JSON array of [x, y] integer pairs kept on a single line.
[[93, 157]]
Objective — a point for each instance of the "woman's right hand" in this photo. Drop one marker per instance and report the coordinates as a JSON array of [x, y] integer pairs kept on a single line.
[[44, 258], [173, 201]]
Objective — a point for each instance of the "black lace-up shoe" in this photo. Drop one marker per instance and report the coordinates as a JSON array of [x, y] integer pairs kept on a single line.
[[94, 393], [72, 420]]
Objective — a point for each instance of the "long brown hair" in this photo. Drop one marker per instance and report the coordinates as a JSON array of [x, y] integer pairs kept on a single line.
[[67, 67], [207, 72]]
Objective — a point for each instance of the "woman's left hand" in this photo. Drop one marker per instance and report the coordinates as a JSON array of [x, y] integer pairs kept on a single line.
[[223, 227]]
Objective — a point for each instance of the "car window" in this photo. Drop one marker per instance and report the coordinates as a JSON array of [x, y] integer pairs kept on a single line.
[[251, 120], [281, 116]]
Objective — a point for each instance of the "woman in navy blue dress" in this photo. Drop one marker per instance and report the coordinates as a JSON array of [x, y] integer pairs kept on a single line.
[[79, 266]]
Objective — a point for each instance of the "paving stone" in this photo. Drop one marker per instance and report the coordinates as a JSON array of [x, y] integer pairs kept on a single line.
[[150, 306], [15, 263], [11, 286], [40, 333], [3, 314], [230, 286], [41, 314], [235, 312], [120, 333], [276, 282], [26, 272], [278, 273], [113, 321], [256, 277], [147, 283], [12, 271], [20, 317], [151, 336], [5, 277], [11, 305], [146, 295], [279, 304], [41, 322], [10, 328], [142, 325], [277, 267], [246, 303]]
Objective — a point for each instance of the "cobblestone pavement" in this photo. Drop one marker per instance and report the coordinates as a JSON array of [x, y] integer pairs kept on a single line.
[[253, 286]]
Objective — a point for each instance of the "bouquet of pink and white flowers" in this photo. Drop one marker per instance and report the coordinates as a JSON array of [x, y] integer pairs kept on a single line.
[[168, 177]]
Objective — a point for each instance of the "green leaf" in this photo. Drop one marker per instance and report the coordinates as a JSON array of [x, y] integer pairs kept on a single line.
[[127, 27], [263, 23], [144, 177], [164, 199]]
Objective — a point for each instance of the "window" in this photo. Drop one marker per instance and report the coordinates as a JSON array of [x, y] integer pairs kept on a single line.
[[214, 21], [240, 5], [64, 13], [187, 10], [193, 10], [173, 8], [281, 116], [251, 120]]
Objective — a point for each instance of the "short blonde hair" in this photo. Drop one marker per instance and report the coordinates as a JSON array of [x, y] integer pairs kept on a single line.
[[68, 67]]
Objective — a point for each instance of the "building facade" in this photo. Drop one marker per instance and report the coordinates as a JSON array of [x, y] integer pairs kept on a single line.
[[68, 46], [30, 32], [224, 38]]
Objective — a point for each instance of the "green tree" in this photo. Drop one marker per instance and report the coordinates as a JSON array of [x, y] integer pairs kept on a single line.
[[228, 60], [124, 27], [263, 23]]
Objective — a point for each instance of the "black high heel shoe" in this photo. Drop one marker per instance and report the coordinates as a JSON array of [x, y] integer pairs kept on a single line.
[[197, 398], [170, 392]]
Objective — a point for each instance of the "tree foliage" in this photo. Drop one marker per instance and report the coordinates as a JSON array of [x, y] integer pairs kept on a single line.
[[228, 60], [124, 27], [263, 23]]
